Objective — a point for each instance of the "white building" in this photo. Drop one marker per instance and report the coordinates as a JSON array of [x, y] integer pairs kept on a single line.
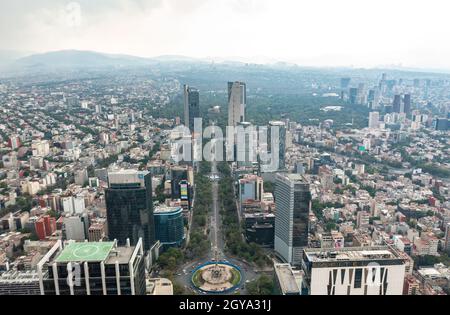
[[251, 187], [237, 100], [374, 120], [354, 271], [76, 227], [73, 205], [40, 148]]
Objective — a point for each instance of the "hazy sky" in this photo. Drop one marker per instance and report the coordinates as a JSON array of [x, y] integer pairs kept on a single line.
[[369, 33]]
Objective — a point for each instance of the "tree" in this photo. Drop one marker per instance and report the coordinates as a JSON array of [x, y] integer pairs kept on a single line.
[[269, 187], [264, 285], [172, 258]]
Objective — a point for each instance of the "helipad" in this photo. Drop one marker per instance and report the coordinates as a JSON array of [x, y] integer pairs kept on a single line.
[[78, 252]]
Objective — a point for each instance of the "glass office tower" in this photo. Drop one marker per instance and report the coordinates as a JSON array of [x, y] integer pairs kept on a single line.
[[129, 207], [293, 204]]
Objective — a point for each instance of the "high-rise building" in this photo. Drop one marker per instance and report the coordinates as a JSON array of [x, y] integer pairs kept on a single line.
[[40, 147], [353, 96], [397, 104], [447, 238], [407, 104], [129, 207], [89, 268], [14, 142], [191, 106], [98, 230], [185, 195], [354, 271], [278, 143], [45, 226], [442, 124], [178, 173], [374, 120], [76, 227], [293, 204], [345, 82], [237, 102], [169, 226], [251, 187], [245, 143]]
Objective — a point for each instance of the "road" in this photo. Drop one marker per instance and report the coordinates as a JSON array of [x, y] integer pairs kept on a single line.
[[216, 237]]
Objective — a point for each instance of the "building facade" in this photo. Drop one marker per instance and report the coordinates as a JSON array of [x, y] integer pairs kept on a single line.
[[129, 207], [93, 269], [237, 102], [277, 143], [191, 106], [354, 271], [169, 226], [293, 204]]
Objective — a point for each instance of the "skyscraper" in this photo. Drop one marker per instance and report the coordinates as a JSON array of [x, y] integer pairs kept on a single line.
[[345, 82], [397, 103], [237, 101], [374, 120], [353, 96], [447, 238], [293, 204], [178, 173], [191, 106], [129, 207], [407, 104], [245, 145], [279, 142]]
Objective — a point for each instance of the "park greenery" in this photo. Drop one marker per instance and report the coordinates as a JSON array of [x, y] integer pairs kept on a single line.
[[264, 285], [198, 245], [235, 243]]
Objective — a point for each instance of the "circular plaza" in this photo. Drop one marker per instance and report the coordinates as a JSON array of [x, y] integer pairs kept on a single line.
[[216, 277]]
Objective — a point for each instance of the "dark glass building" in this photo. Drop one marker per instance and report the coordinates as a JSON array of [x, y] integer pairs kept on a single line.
[[396, 105], [260, 228], [169, 226], [129, 207], [191, 106], [407, 104], [293, 204], [442, 124], [353, 96], [177, 175]]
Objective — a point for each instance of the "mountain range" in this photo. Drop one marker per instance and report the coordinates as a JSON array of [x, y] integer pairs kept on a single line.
[[14, 62]]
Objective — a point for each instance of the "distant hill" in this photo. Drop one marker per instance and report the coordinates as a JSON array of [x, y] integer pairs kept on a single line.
[[79, 59], [13, 63]]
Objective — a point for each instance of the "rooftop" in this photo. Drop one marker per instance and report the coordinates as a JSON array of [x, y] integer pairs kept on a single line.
[[351, 254], [92, 251], [159, 286], [165, 209], [286, 278], [14, 276]]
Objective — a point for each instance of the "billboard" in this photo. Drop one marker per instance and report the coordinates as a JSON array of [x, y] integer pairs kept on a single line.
[[184, 190]]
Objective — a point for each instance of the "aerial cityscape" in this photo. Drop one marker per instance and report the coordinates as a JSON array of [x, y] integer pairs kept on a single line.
[[158, 170]]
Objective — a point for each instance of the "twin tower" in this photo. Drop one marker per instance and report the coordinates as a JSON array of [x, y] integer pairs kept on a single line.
[[237, 101]]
